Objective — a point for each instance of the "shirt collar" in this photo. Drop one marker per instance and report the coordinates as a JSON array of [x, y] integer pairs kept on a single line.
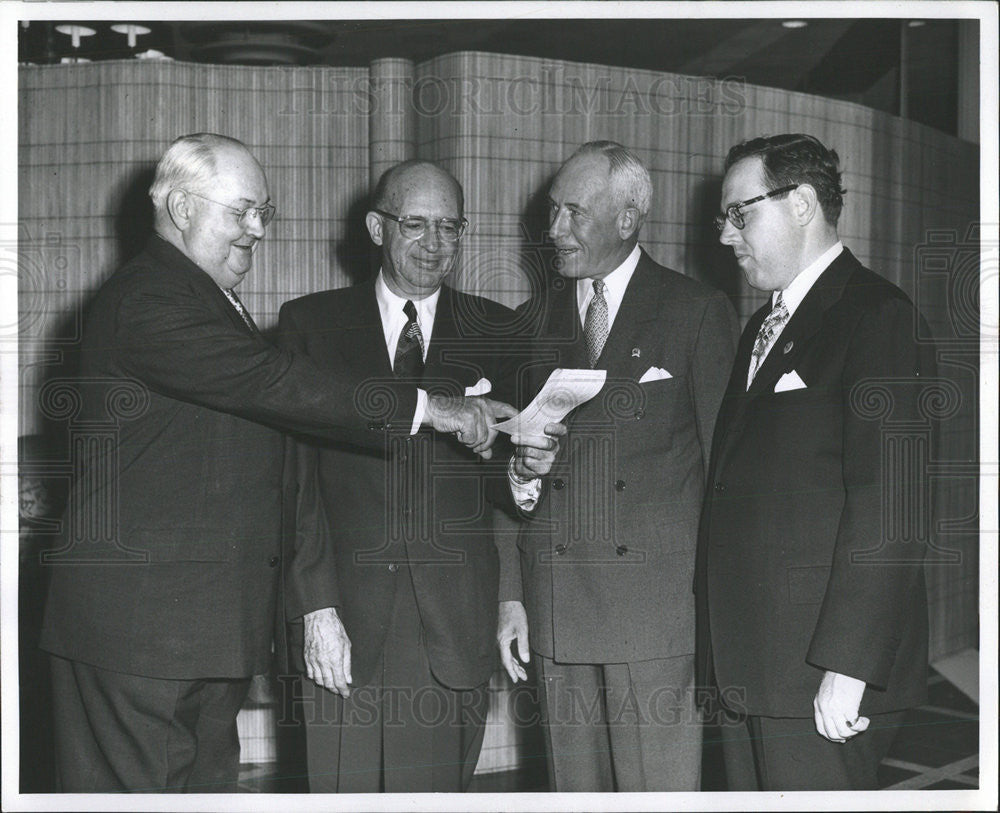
[[793, 295], [390, 308], [615, 284]]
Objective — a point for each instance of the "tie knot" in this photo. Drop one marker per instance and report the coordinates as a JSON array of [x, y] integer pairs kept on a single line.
[[410, 310], [599, 288]]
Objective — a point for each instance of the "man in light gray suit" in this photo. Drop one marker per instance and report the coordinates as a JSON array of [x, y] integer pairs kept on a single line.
[[603, 588]]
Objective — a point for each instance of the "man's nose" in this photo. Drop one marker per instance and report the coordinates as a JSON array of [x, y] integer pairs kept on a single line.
[[729, 235], [254, 226], [430, 239], [558, 224]]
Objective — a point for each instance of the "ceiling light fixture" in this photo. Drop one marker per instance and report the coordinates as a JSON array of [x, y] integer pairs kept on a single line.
[[76, 31], [794, 24], [131, 31], [916, 23]]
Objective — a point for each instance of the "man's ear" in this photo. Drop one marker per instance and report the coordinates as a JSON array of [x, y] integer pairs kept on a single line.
[[805, 203], [629, 221], [179, 208], [375, 224]]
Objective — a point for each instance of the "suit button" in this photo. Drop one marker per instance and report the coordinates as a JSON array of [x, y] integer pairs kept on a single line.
[[273, 561], [558, 485], [393, 567], [620, 485], [560, 549], [720, 487], [639, 413], [621, 550]]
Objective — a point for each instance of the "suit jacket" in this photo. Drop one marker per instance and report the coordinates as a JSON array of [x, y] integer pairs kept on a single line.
[[172, 534], [793, 577], [363, 513], [607, 556]]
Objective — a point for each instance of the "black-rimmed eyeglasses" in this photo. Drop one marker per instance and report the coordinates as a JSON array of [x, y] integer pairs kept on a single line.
[[734, 213], [263, 213], [413, 227]]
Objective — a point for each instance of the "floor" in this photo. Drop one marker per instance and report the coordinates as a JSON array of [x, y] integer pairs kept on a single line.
[[937, 749]]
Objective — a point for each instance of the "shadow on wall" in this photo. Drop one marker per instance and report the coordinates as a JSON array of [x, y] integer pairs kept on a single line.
[[710, 261], [134, 214], [355, 257]]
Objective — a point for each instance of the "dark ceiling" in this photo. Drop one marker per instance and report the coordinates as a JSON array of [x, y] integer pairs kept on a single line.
[[855, 60]]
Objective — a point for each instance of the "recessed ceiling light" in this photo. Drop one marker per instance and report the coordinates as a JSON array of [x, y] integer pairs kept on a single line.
[[916, 23], [794, 24]]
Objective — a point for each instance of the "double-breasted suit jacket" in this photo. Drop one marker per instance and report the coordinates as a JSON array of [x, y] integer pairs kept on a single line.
[[421, 499], [170, 560], [798, 568], [607, 555]]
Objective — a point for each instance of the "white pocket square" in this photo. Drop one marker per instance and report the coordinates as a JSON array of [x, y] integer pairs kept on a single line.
[[654, 374], [789, 381], [481, 387]]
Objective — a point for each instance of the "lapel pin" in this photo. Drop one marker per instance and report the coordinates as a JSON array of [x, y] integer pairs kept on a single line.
[[636, 352], [788, 347]]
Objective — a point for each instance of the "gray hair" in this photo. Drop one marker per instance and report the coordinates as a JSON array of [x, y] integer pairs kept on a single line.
[[630, 182], [189, 162]]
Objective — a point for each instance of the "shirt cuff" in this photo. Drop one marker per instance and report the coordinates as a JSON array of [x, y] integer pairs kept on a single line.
[[418, 413], [525, 493]]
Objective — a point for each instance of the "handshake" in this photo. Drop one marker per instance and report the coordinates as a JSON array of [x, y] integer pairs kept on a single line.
[[472, 419]]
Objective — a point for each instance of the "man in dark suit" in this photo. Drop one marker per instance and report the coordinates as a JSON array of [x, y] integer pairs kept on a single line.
[[812, 620], [393, 580], [161, 601], [607, 553]]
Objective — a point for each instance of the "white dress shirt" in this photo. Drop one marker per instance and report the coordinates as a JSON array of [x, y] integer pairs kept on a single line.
[[526, 493], [390, 308]]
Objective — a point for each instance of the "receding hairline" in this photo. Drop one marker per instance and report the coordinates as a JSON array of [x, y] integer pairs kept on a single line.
[[388, 188]]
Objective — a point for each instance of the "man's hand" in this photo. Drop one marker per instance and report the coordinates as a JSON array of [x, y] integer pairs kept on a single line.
[[836, 705], [469, 419], [512, 624], [327, 651], [535, 454]]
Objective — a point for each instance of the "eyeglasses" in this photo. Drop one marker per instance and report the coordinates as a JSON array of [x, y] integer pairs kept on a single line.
[[734, 213], [263, 213], [413, 227]]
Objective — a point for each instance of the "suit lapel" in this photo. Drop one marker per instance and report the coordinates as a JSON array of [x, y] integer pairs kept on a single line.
[[783, 356], [805, 322], [640, 306], [365, 348], [440, 366]]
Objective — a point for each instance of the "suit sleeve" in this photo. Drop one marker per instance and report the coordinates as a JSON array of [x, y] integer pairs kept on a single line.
[[172, 341], [867, 601], [711, 364], [310, 575]]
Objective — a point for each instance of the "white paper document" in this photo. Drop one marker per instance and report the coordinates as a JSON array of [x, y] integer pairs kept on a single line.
[[564, 391]]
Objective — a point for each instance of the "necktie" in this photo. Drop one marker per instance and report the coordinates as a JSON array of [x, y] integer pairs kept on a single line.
[[769, 330], [409, 359], [595, 325], [242, 311]]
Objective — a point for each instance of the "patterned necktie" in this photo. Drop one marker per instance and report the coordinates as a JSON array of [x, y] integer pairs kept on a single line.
[[769, 330], [595, 325], [242, 311], [409, 359]]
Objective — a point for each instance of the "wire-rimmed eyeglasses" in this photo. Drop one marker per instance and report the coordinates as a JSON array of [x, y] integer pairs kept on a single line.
[[263, 213], [734, 213], [413, 227]]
